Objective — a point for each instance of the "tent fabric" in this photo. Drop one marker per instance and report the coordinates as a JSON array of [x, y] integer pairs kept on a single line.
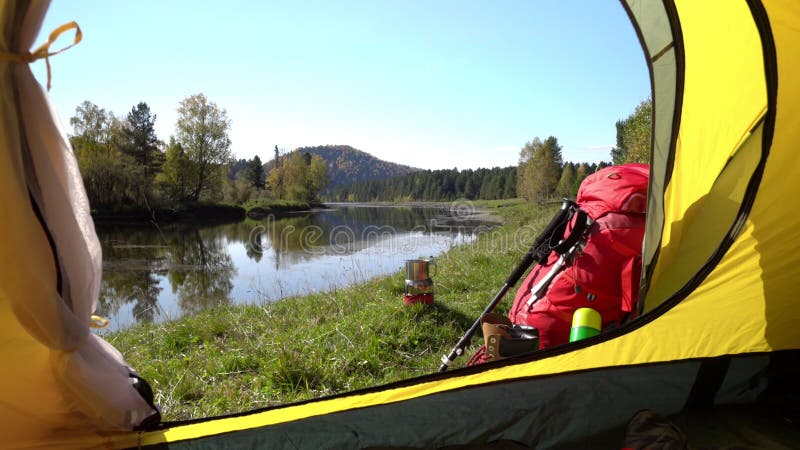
[[724, 62], [658, 36], [573, 409], [50, 264], [719, 331]]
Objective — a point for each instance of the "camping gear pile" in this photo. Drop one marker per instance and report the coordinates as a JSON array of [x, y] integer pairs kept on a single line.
[[588, 258], [715, 347], [601, 269]]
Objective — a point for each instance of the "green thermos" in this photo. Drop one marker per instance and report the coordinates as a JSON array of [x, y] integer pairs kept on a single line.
[[586, 322]]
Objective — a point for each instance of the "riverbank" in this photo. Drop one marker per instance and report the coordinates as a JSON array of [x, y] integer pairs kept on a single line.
[[257, 209], [203, 211], [476, 211], [236, 358]]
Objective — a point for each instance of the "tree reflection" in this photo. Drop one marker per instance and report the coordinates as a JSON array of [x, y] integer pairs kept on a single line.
[[254, 247], [249, 233], [200, 269], [132, 263], [138, 287], [195, 261]]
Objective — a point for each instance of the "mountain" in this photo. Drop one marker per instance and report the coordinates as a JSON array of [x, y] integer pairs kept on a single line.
[[347, 165]]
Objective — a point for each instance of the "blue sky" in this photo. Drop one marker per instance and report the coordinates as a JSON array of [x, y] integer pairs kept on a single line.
[[434, 84]]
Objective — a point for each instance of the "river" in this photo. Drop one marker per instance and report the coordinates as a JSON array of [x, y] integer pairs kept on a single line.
[[158, 273]]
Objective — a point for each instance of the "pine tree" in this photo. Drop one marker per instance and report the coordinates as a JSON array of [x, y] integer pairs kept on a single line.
[[510, 188], [254, 173], [275, 177], [140, 140]]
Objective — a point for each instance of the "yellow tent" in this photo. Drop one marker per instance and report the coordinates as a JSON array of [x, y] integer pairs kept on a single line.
[[716, 348]]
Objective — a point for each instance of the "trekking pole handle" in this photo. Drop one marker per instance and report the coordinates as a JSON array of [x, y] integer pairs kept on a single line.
[[535, 253]]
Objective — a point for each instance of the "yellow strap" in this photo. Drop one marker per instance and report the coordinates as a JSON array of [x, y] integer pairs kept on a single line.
[[98, 322], [44, 50]]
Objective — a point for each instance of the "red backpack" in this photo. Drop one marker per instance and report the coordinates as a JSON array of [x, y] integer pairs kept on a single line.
[[602, 271]]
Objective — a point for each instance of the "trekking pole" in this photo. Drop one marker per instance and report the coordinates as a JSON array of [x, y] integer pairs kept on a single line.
[[537, 253]]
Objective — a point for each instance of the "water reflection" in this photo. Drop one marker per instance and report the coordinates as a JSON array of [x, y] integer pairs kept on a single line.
[[201, 269], [193, 261], [160, 273]]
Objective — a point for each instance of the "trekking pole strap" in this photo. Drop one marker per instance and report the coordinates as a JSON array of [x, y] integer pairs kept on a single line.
[[540, 250], [582, 223], [553, 232]]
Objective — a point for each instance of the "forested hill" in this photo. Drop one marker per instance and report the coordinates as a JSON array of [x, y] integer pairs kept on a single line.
[[432, 185], [346, 165]]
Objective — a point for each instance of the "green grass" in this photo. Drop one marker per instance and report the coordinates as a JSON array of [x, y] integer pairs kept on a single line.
[[237, 358]]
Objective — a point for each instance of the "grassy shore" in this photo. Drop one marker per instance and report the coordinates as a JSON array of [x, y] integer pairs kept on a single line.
[[236, 358], [259, 208]]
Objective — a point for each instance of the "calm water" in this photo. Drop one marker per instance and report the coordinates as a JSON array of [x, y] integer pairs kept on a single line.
[[155, 274]]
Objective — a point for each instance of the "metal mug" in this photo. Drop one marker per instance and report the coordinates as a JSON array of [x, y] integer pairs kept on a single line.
[[419, 269], [418, 276]]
